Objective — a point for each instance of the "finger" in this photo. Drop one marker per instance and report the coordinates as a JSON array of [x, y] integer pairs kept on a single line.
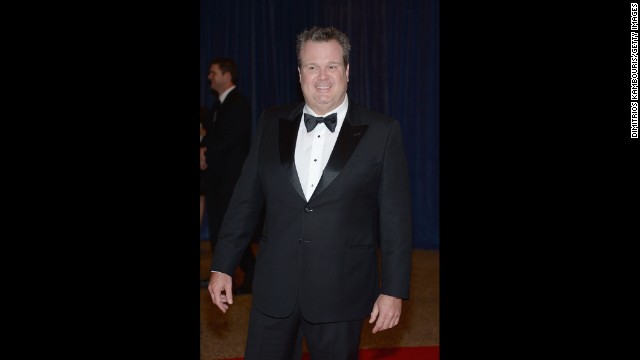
[[387, 324], [228, 292], [218, 298], [220, 304], [378, 326], [213, 298], [392, 322], [396, 320], [385, 321], [223, 306], [379, 323], [374, 314]]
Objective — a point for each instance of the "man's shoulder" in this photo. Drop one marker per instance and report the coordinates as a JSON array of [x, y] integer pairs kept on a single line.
[[235, 96], [370, 116]]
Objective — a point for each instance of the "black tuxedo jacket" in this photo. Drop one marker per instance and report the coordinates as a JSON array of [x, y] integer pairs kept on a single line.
[[227, 140], [323, 252]]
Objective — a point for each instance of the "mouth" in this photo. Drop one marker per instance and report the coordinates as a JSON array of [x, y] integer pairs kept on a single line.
[[323, 88]]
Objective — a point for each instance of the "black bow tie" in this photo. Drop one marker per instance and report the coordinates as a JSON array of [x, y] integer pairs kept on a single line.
[[330, 121]]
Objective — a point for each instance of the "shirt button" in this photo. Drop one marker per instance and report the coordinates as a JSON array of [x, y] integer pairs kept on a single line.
[[315, 159], [318, 135]]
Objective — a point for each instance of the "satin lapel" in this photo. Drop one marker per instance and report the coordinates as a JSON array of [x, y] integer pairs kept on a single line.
[[288, 136], [346, 143]]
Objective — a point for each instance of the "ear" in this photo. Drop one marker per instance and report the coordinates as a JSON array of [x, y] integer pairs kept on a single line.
[[347, 72], [299, 75]]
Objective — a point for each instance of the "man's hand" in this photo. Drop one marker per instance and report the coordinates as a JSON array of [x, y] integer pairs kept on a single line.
[[203, 159], [219, 282], [387, 311]]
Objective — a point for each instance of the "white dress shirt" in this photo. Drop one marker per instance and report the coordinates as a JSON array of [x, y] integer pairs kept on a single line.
[[314, 148]]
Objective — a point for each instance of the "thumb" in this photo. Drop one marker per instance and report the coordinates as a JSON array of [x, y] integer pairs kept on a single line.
[[374, 313], [229, 293]]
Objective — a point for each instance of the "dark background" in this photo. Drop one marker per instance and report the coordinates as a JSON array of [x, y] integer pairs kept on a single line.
[[394, 69]]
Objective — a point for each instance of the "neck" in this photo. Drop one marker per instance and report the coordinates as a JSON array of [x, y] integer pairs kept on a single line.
[[322, 111], [325, 110]]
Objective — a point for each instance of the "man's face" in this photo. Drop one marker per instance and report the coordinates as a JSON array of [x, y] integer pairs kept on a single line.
[[323, 76], [217, 79]]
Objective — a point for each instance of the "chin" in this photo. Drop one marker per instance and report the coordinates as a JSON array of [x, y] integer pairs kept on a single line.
[[323, 99]]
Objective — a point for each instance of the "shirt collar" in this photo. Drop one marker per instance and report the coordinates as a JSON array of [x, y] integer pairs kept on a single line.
[[225, 93], [341, 110]]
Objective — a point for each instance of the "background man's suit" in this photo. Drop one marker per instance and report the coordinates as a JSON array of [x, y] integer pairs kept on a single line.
[[322, 253]]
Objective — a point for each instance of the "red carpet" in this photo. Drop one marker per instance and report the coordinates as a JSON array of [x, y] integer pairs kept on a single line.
[[404, 353]]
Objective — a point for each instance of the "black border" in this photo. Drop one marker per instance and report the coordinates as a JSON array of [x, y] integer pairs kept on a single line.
[[536, 178], [139, 163]]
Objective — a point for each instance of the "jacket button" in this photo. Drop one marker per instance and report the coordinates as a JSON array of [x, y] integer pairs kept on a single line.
[[307, 210]]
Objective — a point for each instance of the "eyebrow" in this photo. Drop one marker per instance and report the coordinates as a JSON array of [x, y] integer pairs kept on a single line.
[[329, 63]]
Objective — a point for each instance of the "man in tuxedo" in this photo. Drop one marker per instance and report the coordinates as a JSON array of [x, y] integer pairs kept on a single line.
[[225, 148], [333, 176]]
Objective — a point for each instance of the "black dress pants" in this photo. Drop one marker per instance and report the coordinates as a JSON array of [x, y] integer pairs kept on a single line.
[[281, 339]]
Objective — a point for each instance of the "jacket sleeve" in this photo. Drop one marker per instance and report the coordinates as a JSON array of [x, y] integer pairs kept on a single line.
[[395, 218], [243, 212]]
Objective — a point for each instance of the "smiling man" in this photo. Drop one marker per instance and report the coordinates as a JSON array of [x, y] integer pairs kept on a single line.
[[336, 242]]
